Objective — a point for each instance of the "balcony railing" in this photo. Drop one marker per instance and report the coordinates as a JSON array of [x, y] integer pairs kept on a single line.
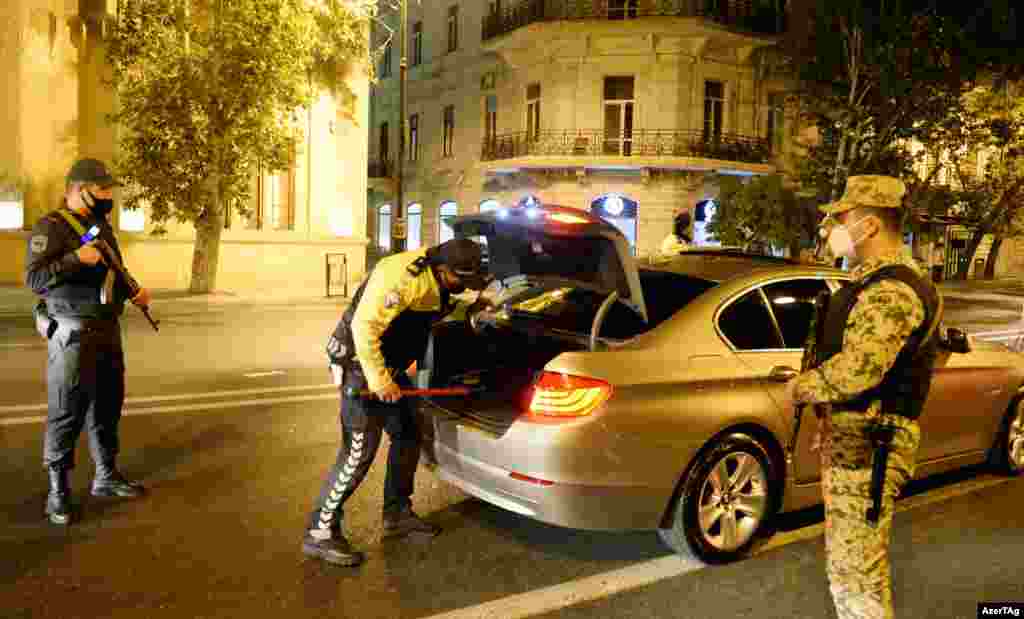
[[380, 169], [641, 143], [757, 16]]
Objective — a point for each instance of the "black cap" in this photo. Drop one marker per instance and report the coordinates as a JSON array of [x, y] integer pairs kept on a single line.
[[91, 171], [465, 259], [462, 256]]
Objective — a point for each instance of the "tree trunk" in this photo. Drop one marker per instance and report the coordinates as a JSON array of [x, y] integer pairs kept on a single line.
[[206, 253], [794, 249], [964, 267], [993, 257]]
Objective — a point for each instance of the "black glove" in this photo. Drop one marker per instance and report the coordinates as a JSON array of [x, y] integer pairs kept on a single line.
[[335, 350], [479, 305], [45, 325]]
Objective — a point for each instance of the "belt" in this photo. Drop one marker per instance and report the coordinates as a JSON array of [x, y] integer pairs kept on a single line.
[[86, 325]]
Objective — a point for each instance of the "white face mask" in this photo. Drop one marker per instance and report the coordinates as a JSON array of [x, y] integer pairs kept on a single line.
[[841, 241]]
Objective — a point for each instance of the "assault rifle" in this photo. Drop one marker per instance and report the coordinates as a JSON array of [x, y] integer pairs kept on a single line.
[[809, 361], [113, 262]]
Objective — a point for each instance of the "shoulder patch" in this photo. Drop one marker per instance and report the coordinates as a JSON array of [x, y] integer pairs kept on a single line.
[[38, 243], [391, 300]]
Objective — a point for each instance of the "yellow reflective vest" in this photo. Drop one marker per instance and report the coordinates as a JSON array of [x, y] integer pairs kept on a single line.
[[392, 321]]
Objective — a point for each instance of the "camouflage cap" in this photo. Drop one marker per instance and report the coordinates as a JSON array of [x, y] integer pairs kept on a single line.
[[872, 191]]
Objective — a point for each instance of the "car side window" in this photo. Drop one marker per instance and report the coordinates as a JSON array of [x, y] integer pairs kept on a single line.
[[748, 325], [792, 302]]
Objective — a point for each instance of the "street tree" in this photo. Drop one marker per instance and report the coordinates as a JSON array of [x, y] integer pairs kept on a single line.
[[763, 210], [872, 75], [208, 92], [984, 160]]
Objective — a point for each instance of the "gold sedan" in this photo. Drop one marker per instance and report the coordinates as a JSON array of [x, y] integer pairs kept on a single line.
[[614, 395]]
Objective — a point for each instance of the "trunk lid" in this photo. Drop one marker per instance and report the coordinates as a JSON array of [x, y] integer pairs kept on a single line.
[[558, 244]]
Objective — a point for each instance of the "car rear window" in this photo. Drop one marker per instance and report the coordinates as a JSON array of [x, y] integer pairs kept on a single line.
[[573, 309]]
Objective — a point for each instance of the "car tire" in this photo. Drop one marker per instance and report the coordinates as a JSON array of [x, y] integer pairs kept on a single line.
[[1007, 454], [734, 483]]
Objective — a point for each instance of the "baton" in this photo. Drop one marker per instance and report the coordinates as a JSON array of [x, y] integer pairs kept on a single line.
[[352, 392]]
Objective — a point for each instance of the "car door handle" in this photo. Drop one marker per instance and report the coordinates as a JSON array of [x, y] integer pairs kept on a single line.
[[783, 373]]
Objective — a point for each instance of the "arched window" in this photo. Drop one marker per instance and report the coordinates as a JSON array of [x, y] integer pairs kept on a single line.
[[414, 226], [384, 227], [619, 211], [489, 205], [448, 210]]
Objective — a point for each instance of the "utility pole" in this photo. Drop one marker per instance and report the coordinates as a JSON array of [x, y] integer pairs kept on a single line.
[[403, 69]]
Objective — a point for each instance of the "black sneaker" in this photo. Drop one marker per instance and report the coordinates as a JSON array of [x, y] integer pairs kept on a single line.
[[334, 550], [406, 522], [116, 484]]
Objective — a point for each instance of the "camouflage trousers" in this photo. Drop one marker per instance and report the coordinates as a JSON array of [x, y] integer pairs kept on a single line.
[[857, 551]]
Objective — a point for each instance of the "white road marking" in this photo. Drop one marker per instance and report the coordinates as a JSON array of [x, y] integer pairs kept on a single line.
[[1004, 332], [557, 597], [26, 408], [264, 374], [1004, 338], [577, 591], [133, 412]]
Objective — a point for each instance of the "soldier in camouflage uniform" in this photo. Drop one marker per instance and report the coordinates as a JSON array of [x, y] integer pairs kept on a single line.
[[850, 390]]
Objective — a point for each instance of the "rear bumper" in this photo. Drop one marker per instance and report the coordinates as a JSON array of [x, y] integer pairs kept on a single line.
[[577, 506]]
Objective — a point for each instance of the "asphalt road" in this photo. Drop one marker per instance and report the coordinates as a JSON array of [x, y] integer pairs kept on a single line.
[[231, 424]]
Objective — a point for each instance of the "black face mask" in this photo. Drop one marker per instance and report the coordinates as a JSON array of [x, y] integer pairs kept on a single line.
[[100, 207], [458, 288]]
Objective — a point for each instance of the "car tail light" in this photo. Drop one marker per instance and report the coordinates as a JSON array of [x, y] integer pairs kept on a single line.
[[561, 397]]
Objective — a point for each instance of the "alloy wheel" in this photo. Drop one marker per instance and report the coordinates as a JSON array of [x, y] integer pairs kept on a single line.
[[733, 501], [1015, 440]]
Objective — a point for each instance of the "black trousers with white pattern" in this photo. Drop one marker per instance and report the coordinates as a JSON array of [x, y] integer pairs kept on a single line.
[[363, 422]]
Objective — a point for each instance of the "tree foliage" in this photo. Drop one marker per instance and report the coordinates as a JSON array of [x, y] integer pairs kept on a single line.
[[879, 76], [871, 76], [762, 209], [209, 90], [984, 164]]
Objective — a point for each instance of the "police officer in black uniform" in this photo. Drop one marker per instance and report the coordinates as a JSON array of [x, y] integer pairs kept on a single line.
[[383, 331], [85, 370]]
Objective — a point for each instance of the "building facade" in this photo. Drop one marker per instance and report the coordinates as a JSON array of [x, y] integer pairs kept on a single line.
[[630, 108], [52, 66]]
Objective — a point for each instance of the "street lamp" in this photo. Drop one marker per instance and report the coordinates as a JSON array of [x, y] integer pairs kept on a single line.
[[397, 244]]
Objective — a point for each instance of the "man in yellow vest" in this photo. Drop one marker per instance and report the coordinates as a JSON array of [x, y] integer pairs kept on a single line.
[[384, 330], [84, 300]]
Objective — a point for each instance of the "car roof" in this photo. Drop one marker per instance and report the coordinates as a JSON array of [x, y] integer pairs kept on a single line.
[[720, 265]]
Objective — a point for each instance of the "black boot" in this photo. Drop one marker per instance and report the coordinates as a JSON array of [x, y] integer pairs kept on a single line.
[[405, 522], [58, 501], [110, 482], [334, 549]]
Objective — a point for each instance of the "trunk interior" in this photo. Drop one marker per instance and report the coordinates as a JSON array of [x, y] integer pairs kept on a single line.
[[499, 364]]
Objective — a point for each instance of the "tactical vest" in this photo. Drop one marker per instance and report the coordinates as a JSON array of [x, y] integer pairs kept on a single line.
[[904, 388], [79, 295], [405, 339]]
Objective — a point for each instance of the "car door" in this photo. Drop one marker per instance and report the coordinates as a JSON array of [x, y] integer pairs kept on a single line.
[[767, 328], [792, 305]]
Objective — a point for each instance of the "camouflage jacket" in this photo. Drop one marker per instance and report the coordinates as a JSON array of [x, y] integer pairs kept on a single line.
[[885, 314]]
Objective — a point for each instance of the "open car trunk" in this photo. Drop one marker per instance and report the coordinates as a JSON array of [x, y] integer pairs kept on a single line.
[[499, 363], [535, 323], [563, 278]]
